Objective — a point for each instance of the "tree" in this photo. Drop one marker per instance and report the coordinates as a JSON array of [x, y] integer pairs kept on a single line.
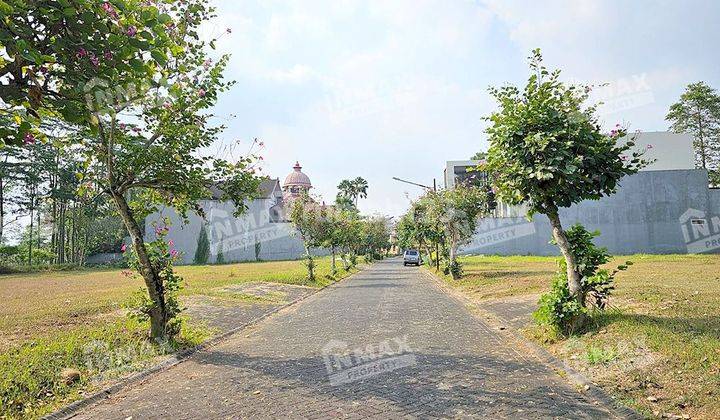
[[58, 53], [311, 223], [456, 211], [333, 237], [202, 252], [547, 151], [418, 227], [135, 80], [698, 113], [352, 189], [479, 156], [375, 237]]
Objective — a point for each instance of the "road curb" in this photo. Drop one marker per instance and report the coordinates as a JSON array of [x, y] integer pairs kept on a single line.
[[574, 377], [74, 408]]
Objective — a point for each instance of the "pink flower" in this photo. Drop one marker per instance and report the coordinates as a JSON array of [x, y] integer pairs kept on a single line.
[[173, 253], [201, 92], [107, 7], [167, 105], [171, 243], [131, 31], [122, 126], [207, 63], [136, 129], [82, 52], [108, 55], [123, 248], [29, 138], [649, 146], [95, 61]]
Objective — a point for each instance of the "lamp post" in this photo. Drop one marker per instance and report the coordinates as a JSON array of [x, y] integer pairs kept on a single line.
[[433, 189]]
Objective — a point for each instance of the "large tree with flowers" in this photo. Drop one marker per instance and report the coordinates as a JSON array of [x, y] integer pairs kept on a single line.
[[547, 150], [134, 80]]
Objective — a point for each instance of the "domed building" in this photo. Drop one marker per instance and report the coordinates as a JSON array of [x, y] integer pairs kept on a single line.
[[296, 183], [261, 232]]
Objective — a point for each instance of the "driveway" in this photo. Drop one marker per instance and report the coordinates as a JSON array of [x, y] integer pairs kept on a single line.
[[385, 343]]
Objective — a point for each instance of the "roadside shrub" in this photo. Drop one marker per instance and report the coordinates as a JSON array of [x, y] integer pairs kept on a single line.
[[561, 312], [453, 268], [309, 263]]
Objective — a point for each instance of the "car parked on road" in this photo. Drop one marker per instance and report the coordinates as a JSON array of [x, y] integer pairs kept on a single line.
[[411, 256]]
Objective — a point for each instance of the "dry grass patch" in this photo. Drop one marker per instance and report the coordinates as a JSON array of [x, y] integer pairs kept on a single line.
[[657, 349]]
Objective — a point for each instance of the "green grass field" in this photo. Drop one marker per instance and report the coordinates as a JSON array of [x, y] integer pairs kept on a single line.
[[657, 348], [73, 319]]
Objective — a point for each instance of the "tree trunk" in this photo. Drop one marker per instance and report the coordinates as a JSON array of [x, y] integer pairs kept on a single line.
[[332, 267], [574, 281], [30, 241], [703, 155], [153, 282], [310, 264]]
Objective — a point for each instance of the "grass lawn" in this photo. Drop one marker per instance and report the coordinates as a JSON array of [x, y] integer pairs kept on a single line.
[[55, 320], [657, 349]]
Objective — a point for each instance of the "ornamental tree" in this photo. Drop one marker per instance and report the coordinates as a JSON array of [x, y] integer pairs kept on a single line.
[[56, 52], [456, 211], [135, 81], [312, 226], [547, 150]]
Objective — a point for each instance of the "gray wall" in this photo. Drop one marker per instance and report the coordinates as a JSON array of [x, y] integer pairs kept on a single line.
[[236, 235], [644, 216]]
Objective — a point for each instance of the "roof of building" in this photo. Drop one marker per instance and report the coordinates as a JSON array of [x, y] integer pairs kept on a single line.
[[267, 186], [297, 177]]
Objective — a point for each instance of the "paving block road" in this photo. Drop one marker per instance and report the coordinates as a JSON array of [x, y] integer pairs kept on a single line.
[[385, 343]]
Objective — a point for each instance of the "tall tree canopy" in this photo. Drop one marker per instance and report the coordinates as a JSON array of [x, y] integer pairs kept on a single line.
[[352, 189], [697, 112]]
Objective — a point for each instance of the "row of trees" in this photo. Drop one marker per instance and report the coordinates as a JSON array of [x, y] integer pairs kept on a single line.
[[339, 228], [39, 197], [444, 220]]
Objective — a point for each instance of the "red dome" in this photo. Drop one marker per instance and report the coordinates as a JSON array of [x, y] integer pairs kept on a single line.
[[297, 178]]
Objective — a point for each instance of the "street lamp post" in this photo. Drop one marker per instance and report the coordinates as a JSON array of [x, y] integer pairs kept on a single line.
[[433, 189]]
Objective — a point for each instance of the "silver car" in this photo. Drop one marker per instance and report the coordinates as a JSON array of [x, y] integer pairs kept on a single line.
[[411, 256]]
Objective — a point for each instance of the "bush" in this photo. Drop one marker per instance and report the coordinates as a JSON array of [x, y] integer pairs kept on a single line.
[[563, 313], [453, 268]]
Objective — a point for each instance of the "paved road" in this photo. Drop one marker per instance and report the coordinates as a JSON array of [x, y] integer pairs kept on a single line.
[[412, 351]]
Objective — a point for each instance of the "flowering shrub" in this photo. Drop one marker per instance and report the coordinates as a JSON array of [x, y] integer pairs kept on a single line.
[[558, 309], [162, 255]]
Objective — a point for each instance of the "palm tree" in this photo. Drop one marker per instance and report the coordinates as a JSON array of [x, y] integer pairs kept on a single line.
[[360, 187], [347, 189]]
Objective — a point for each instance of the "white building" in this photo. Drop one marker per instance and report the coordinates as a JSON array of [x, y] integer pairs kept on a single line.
[[260, 233]]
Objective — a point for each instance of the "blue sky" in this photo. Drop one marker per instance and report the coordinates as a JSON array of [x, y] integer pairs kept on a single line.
[[395, 88]]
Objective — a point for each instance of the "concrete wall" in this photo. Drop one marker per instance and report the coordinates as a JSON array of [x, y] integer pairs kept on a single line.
[[668, 150], [236, 236], [646, 215]]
